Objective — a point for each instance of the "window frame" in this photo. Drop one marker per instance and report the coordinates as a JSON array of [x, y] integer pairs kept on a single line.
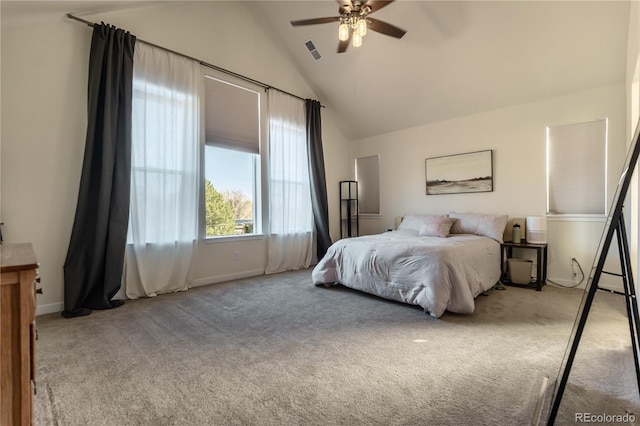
[[367, 170], [259, 162], [605, 203]]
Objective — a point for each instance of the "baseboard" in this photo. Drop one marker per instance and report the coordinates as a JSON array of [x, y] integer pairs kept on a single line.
[[615, 285], [612, 286], [59, 307], [51, 308], [228, 277], [566, 283]]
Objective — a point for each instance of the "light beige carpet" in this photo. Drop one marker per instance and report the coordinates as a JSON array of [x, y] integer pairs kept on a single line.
[[276, 350]]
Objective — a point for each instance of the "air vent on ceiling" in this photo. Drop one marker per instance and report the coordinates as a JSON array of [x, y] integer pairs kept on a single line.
[[314, 51]]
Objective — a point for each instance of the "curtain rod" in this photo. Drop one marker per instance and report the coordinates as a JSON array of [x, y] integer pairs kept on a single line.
[[201, 62]]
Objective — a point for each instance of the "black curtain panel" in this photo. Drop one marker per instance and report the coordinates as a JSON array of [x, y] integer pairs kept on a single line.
[[317, 176], [95, 259]]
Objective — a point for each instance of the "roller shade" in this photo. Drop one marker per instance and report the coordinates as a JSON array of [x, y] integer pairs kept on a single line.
[[368, 177], [576, 161], [231, 116]]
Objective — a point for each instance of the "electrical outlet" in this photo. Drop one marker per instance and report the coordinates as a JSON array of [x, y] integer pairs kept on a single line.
[[236, 255], [573, 266]]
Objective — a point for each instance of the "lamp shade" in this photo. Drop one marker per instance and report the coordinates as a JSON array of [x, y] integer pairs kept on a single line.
[[357, 39], [361, 27], [343, 32], [397, 222], [537, 229]]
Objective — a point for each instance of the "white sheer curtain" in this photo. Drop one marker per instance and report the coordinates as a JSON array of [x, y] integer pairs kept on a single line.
[[290, 244], [164, 172]]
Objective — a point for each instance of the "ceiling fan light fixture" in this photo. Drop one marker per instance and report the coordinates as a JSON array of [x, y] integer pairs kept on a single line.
[[353, 16], [343, 32], [361, 27], [357, 39]]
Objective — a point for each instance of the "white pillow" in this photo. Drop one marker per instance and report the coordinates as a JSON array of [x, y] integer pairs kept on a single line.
[[414, 222], [437, 226], [479, 224]]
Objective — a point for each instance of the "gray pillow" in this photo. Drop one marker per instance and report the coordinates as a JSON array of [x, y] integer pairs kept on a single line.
[[485, 225]]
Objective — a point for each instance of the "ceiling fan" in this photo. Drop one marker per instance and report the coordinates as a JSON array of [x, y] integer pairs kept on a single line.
[[355, 21]]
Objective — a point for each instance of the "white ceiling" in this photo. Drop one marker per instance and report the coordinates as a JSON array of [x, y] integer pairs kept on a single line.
[[457, 58]]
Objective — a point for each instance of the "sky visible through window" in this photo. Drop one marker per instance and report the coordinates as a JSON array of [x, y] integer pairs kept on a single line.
[[229, 170]]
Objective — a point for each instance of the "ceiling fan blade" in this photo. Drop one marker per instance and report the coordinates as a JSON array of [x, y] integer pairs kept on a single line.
[[385, 28], [342, 46], [377, 5], [314, 21]]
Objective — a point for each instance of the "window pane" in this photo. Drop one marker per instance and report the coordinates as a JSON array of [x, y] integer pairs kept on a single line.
[[229, 191]]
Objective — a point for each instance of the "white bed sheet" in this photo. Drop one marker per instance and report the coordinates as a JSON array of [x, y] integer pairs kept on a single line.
[[437, 274]]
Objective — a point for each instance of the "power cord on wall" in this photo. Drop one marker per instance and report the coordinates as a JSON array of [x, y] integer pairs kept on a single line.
[[557, 284]]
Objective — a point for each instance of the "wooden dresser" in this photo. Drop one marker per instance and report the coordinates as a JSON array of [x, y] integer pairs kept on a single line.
[[17, 333]]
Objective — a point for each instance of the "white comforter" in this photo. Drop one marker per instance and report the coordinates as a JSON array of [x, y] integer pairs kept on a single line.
[[437, 274]]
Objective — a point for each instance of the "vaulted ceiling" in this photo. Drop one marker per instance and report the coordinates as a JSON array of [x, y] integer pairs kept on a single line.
[[457, 58]]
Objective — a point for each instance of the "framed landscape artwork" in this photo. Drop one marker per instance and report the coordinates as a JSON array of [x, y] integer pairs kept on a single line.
[[461, 173]]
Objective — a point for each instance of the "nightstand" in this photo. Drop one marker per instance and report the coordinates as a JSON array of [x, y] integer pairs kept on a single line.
[[541, 261]]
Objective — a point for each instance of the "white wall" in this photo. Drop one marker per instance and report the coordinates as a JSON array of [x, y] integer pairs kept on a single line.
[[517, 136], [43, 123], [44, 79], [43, 118]]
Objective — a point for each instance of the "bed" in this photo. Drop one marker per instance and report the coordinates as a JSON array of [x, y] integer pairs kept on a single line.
[[440, 263]]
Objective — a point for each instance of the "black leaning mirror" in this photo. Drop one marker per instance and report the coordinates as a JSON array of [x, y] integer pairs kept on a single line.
[[614, 228]]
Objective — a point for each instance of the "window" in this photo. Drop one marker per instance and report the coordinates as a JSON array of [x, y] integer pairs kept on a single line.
[[290, 196], [164, 150], [231, 159], [577, 168], [290, 239], [368, 177]]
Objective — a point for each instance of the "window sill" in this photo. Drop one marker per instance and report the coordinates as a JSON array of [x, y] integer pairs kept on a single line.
[[370, 215], [230, 238], [576, 218]]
